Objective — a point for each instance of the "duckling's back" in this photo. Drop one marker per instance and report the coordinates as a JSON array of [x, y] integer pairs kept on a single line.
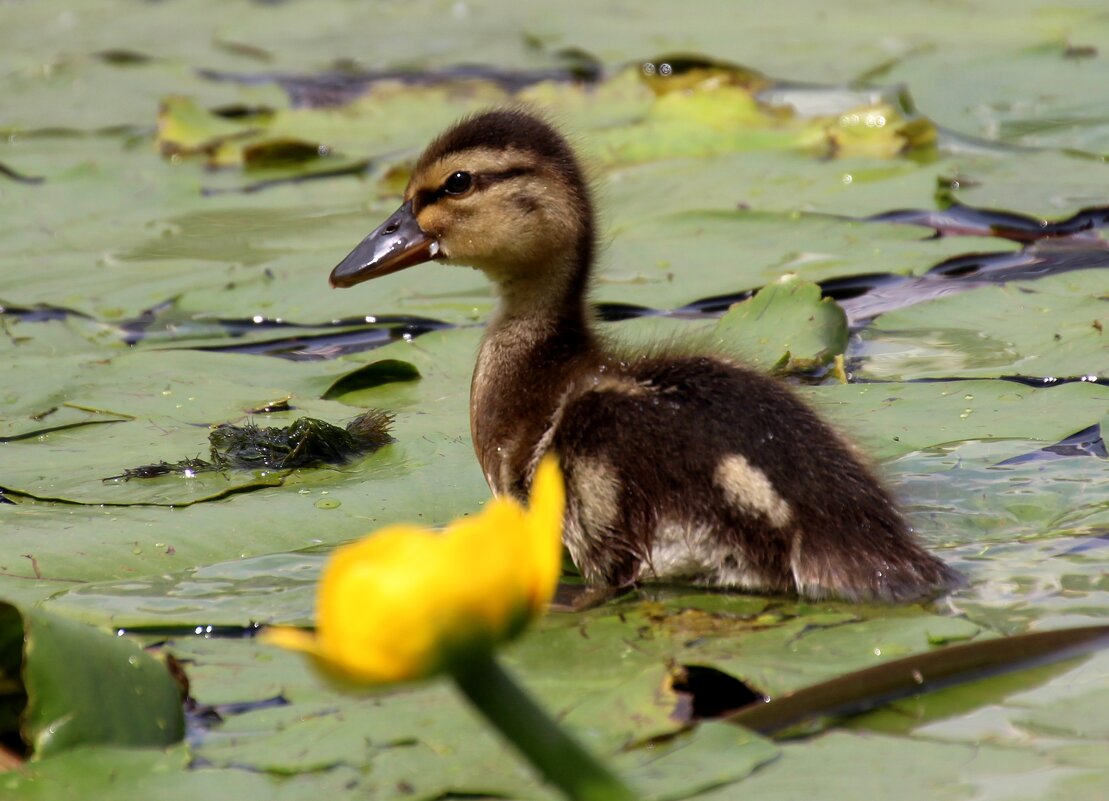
[[694, 468]]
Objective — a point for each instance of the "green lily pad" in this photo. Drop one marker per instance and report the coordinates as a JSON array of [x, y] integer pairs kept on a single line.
[[779, 182], [82, 687], [786, 657], [785, 327], [118, 774], [1048, 183], [102, 454], [273, 588], [960, 664], [707, 758], [429, 475], [55, 418], [887, 418], [669, 261], [840, 765], [1053, 327]]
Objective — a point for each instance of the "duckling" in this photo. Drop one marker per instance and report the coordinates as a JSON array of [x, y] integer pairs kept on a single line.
[[686, 467]]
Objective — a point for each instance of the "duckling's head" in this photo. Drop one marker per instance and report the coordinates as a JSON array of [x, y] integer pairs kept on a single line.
[[500, 191]]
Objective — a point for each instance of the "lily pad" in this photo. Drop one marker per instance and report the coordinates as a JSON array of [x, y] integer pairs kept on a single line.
[[784, 658], [431, 465], [786, 327], [82, 687], [273, 588], [669, 261], [843, 764], [871, 687], [1051, 328], [119, 774], [708, 758], [1048, 183], [887, 417]]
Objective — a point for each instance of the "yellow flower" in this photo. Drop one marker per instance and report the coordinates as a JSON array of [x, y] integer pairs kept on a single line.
[[406, 602]]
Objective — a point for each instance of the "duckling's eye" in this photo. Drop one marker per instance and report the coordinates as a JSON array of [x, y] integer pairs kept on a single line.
[[458, 183]]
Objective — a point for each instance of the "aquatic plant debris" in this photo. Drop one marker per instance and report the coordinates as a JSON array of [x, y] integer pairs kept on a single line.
[[308, 442]]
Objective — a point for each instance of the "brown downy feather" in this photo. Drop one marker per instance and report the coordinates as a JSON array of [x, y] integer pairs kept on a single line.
[[678, 466]]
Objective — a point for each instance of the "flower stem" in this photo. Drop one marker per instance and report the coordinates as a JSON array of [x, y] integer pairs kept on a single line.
[[561, 759]]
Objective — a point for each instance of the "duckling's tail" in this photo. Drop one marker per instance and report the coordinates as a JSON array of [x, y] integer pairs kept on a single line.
[[909, 574]]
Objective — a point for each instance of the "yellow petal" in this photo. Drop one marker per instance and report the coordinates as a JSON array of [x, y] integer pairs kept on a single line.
[[374, 602], [292, 639], [490, 551], [546, 507]]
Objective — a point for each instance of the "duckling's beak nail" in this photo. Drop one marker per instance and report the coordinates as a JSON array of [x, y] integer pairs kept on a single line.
[[397, 243]]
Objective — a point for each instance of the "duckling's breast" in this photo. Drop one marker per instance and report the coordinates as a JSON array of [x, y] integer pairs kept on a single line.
[[527, 371]]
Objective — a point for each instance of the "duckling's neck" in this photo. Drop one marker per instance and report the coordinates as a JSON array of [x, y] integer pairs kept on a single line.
[[538, 343], [552, 290]]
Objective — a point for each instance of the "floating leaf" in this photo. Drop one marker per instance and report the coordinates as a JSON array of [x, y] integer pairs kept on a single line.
[[707, 758], [127, 774], [785, 327], [866, 689], [878, 131], [383, 371], [1046, 328], [185, 128], [889, 418], [82, 687]]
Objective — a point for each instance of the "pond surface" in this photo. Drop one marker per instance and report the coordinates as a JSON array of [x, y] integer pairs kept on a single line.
[[178, 178]]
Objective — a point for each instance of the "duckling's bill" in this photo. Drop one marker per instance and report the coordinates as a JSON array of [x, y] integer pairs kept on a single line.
[[397, 243]]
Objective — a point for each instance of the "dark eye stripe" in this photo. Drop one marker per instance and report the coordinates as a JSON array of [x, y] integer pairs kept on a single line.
[[486, 179], [482, 180]]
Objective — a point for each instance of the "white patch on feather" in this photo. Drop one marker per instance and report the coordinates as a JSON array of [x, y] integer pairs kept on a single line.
[[694, 552], [621, 385], [597, 487], [593, 498], [750, 489]]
